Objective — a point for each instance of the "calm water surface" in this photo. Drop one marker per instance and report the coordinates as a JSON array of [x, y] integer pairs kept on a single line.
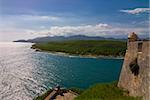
[[25, 73]]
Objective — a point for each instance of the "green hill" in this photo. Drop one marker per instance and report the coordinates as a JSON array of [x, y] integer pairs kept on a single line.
[[107, 91], [85, 47]]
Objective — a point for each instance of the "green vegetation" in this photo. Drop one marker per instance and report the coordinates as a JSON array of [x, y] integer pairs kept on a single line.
[[77, 90], [85, 47], [105, 92]]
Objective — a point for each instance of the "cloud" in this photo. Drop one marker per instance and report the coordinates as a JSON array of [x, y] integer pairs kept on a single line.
[[100, 29], [40, 18], [136, 10], [13, 27], [75, 30], [28, 20], [35, 22]]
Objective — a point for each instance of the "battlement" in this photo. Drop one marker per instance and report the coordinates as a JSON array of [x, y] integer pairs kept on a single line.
[[136, 46]]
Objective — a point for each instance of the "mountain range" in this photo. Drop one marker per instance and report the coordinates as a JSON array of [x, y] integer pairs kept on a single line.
[[63, 38]]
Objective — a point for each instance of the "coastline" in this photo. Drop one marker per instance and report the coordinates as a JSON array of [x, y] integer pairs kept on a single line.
[[75, 55]]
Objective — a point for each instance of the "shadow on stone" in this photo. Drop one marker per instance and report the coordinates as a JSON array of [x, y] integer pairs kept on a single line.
[[134, 67]]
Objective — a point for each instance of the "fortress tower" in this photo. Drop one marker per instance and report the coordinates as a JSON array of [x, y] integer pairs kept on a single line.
[[132, 37], [135, 73]]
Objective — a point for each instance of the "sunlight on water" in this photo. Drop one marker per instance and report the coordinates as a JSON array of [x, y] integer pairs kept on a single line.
[[16, 71], [25, 73]]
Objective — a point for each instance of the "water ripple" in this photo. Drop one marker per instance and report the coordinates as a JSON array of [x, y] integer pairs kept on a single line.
[[24, 73]]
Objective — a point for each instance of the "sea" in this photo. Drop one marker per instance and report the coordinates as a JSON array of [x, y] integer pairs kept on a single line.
[[26, 73]]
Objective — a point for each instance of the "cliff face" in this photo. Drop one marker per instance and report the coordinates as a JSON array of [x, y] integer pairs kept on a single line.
[[135, 73]]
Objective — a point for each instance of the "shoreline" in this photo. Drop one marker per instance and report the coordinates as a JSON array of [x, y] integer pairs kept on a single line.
[[75, 55]]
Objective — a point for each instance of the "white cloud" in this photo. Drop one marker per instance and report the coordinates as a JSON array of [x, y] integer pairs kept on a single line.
[[38, 17], [75, 30], [21, 23], [14, 27], [90, 30], [136, 10], [42, 27], [28, 18]]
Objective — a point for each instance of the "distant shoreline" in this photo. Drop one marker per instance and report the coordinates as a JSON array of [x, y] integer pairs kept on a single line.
[[75, 55], [88, 48]]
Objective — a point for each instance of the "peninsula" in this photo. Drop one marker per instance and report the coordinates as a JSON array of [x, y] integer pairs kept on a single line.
[[85, 47]]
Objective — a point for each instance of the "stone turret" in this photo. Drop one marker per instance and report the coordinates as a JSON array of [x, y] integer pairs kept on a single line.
[[135, 73], [132, 37]]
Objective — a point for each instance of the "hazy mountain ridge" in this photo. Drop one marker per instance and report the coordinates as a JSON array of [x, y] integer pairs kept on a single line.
[[63, 38]]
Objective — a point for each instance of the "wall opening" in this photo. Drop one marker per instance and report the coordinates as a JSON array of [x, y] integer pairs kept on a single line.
[[140, 47], [134, 67]]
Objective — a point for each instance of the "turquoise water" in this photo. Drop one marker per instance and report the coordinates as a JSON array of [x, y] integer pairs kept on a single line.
[[26, 73], [78, 72]]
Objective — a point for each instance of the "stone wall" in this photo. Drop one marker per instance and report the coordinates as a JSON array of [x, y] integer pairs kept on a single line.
[[137, 85]]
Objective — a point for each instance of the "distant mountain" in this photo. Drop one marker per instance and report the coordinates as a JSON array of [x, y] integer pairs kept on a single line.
[[21, 41], [63, 38]]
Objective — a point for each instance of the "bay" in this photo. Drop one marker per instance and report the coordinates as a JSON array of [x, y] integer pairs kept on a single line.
[[25, 73]]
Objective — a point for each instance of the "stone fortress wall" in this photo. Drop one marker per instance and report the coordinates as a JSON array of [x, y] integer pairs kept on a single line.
[[135, 73]]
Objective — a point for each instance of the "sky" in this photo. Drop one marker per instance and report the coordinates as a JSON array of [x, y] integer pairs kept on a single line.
[[26, 19]]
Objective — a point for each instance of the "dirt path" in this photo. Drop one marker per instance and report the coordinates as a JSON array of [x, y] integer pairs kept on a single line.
[[67, 96], [50, 95]]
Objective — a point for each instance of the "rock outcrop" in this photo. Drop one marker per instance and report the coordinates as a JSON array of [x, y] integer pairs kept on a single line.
[[135, 73]]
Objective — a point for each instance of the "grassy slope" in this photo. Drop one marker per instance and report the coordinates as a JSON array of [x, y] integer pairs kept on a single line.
[[105, 92], [85, 47]]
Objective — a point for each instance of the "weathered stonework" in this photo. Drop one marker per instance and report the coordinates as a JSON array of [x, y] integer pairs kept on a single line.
[[137, 85]]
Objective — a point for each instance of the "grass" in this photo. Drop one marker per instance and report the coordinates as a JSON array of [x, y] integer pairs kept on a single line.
[[108, 91], [77, 90], [85, 47]]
